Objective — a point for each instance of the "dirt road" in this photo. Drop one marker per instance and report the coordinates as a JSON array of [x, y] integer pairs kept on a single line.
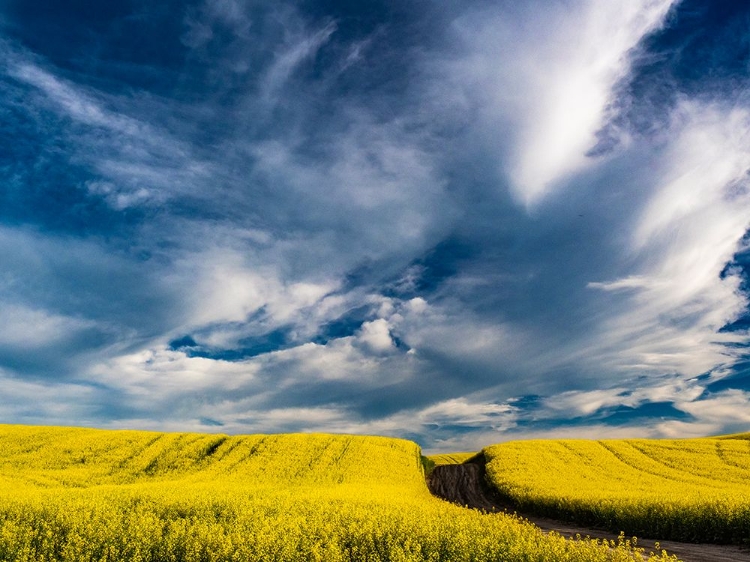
[[465, 485]]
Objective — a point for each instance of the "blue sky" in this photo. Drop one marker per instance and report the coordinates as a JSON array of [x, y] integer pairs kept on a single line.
[[457, 222]]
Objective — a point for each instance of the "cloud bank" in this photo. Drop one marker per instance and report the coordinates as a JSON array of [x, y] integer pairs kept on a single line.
[[460, 224]]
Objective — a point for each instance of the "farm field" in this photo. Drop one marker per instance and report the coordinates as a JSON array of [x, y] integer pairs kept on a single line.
[[450, 458], [693, 490], [734, 436], [90, 495]]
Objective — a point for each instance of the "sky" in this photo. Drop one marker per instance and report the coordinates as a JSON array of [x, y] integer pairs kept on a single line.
[[457, 222]]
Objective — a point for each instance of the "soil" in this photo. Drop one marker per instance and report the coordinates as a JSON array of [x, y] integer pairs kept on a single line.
[[465, 485]]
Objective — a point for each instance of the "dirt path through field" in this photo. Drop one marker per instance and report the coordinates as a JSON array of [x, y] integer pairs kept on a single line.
[[464, 484]]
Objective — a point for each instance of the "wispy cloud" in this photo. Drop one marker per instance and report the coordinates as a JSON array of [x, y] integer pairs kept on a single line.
[[129, 161], [73, 103], [689, 229], [546, 77], [287, 60]]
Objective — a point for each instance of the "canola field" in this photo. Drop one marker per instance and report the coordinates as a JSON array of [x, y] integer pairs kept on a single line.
[[90, 495], [450, 458], [693, 490]]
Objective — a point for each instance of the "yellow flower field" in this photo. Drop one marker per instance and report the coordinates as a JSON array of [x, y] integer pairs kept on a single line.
[[683, 489], [90, 495], [450, 458]]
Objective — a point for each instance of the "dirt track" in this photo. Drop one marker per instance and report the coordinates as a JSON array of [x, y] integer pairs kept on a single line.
[[464, 484]]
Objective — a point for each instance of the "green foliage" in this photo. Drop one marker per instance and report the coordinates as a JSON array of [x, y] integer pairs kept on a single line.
[[427, 465]]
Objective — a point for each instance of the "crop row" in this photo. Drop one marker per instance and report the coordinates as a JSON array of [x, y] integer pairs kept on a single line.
[[682, 489]]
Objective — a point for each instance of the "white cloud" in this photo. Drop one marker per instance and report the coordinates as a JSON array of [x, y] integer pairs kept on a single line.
[[208, 23], [490, 421], [728, 409], [29, 402], [226, 282], [630, 282], [458, 424], [592, 431], [722, 413], [373, 174], [154, 378], [544, 76], [299, 49], [344, 359], [376, 336], [137, 162], [692, 224], [417, 305], [167, 390], [583, 403], [73, 102], [27, 328], [466, 412], [456, 335], [705, 177]]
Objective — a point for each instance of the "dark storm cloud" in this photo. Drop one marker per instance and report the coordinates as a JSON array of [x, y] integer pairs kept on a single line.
[[385, 218]]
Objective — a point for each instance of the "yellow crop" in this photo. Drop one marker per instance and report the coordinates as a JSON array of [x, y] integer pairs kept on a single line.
[[683, 489], [734, 436], [450, 458], [87, 495]]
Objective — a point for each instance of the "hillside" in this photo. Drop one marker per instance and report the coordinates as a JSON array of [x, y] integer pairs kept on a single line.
[[90, 495], [681, 489], [76, 457]]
